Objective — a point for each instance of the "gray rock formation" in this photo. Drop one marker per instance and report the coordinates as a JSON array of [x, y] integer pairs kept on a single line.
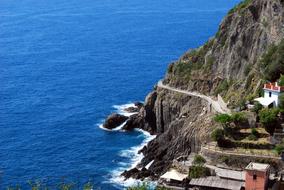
[[114, 120]]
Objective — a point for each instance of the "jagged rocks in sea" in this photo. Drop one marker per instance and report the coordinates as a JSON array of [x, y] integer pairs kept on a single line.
[[114, 120]]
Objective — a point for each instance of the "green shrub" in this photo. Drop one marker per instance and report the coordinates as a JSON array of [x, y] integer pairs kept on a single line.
[[198, 171], [257, 107], [279, 148], [199, 160], [268, 118], [254, 135], [218, 135], [238, 117], [223, 118]]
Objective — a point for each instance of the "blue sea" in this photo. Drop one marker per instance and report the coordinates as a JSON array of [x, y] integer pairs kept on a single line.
[[66, 64]]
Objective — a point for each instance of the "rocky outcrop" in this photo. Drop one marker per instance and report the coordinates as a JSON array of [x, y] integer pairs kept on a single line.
[[227, 64], [114, 120], [182, 123], [133, 109]]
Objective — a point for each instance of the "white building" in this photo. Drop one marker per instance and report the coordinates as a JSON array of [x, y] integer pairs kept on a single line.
[[272, 93]]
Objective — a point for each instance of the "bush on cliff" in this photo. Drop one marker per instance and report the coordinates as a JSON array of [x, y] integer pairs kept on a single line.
[[223, 118], [218, 135], [268, 118]]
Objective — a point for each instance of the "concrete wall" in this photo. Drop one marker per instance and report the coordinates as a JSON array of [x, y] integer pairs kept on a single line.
[[274, 96]]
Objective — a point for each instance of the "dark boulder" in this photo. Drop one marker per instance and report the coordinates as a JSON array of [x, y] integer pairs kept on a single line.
[[135, 121], [137, 174], [139, 105], [114, 120], [131, 109], [136, 108]]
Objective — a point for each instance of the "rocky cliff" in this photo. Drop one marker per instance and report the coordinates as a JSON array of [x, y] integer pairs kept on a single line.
[[228, 64]]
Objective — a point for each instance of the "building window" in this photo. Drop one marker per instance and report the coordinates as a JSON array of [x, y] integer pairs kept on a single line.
[[270, 94], [254, 176]]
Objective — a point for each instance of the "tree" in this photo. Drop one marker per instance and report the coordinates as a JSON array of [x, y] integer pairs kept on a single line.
[[218, 135], [199, 160], [196, 171], [268, 118]]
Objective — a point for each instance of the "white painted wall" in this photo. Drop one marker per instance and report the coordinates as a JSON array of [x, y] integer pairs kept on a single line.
[[274, 96]]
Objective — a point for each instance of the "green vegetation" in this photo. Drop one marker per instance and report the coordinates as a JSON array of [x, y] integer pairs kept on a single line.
[[198, 160], [142, 186], [281, 102], [38, 185], [238, 117], [268, 118], [145, 186], [223, 118], [272, 62], [218, 135], [257, 107], [198, 171], [192, 60], [281, 80], [279, 148], [254, 135], [240, 7]]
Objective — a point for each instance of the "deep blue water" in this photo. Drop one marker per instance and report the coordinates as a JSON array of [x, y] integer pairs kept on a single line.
[[65, 63]]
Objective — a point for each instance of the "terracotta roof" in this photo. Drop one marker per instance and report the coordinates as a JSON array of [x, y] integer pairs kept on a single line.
[[274, 87]]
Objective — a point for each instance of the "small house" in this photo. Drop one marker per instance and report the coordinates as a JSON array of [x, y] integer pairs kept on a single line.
[[272, 92], [257, 176]]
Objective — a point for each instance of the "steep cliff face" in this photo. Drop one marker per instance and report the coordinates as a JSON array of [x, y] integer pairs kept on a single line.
[[231, 59], [228, 64]]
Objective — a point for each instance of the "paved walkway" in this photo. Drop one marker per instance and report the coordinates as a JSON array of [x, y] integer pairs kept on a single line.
[[215, 104]]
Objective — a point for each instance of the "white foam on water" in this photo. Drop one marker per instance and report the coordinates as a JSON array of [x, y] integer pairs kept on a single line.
[[135, 159], [131, 153], [120, 109], [120, 127]]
